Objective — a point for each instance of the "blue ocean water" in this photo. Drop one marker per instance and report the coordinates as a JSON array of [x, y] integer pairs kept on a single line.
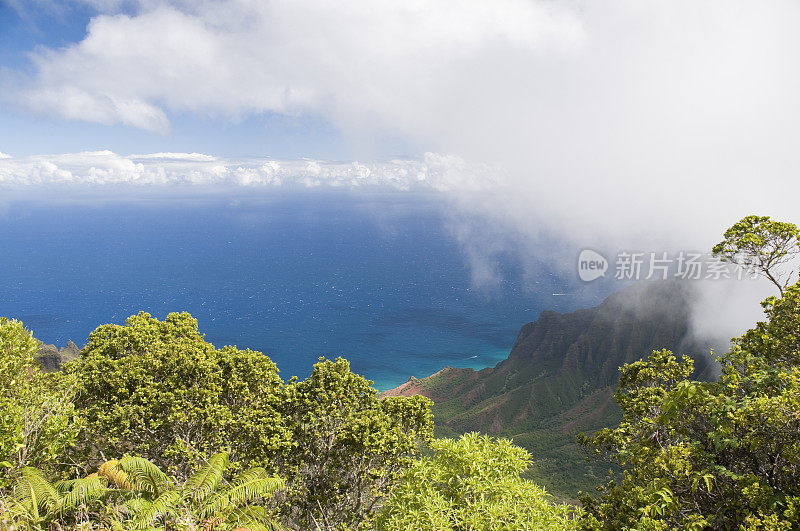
[[377, 278]]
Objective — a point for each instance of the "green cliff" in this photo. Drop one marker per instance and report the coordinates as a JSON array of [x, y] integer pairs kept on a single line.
[[559, 378]]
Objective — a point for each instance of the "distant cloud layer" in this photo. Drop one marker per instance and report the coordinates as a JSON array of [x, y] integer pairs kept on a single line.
[[433, 171]]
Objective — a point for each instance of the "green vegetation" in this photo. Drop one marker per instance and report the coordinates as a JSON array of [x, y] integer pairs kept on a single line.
[[154, 428], [712, 455], [133, 493], [347, 445], [559, 379], [137, 432], [157, 389], [762, 244], [472, 483], [38, 421]]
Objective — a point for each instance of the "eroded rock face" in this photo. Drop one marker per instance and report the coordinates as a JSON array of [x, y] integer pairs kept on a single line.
[[51, 357]]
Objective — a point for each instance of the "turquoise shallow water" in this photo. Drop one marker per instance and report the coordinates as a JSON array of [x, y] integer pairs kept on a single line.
[[376, 278]]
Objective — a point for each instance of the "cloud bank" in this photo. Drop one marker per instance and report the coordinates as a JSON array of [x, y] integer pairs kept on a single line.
[[617, 120], [104, 168], [354, 60]]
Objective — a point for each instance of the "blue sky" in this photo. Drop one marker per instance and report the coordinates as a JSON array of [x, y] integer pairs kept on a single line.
[[22, 28], [240, 78], [28, 26], [24, 133]]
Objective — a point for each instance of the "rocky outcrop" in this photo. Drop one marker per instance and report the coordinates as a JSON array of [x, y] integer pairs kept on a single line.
[[51, 357]]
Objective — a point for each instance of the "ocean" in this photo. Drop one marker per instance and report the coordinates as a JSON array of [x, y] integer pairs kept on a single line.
[[377, 278]]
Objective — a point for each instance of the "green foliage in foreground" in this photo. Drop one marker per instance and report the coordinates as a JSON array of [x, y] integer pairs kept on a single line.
[[472, 483], [348, 446], [158, 389], [718, 455], [37, 416], [133, 493], [340, 452], [762, 244]]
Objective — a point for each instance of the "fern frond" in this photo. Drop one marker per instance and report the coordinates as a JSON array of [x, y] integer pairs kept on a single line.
[[254, 517], [85, 491], [206, 480], [249, 475], [252, 490], [251, 484], [136, 505], [115, 475], [64, 486], [34, 492], [144, 475], [256, 526], [15, 515], [248, 487], [158, 508]]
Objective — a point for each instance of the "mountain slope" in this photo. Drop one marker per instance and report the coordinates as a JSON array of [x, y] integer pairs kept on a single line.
[[51, 358], [559, 378]]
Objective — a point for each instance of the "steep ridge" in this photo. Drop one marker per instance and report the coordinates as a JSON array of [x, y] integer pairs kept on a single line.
[[51, 357], [559, 378]]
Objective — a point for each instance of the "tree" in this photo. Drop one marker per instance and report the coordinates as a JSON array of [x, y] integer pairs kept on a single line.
[[655, 457], [133, 493], [37, 417], [716, 455], [158, 390], [348, 446], [763, 244], [720, 455], [775, 341], [472, 483]]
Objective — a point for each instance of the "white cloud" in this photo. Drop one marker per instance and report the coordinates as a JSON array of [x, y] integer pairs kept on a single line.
[[356, 59], [4, 155], [77, 103], [616, 120], [98, 168]]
